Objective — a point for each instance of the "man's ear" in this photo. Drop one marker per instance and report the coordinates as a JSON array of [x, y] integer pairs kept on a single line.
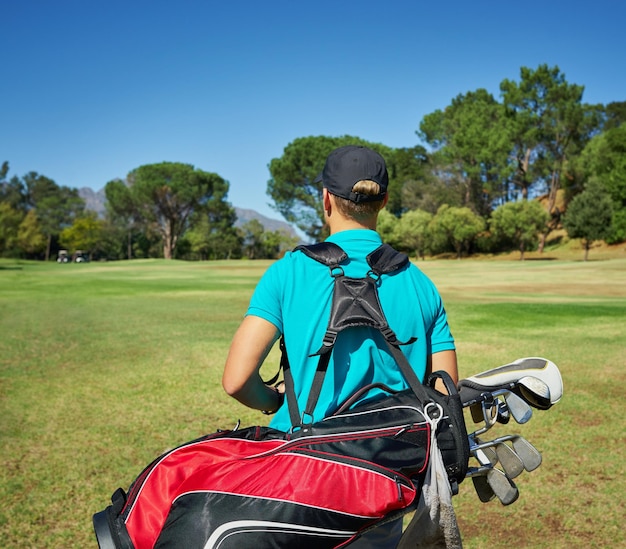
[[326, 199]]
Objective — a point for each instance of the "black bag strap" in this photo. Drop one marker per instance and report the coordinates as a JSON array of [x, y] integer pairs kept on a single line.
[[327, 253], [355, 303]]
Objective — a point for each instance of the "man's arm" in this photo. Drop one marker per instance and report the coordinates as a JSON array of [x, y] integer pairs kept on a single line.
[[250, 346], [446, 361]]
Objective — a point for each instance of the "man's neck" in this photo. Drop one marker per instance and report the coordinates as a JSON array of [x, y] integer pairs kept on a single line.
[[343, 224]]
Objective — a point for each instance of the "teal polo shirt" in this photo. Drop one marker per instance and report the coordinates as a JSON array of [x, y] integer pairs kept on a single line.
[[295, 295]]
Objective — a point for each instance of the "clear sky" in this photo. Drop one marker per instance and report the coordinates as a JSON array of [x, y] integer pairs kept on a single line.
[[92, 89]]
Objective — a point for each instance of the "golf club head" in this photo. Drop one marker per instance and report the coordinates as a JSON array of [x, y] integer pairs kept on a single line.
[[518, 407], [508, 377], [530, 456], [535, 392], [483, 489], [503, 487], [510, 462]]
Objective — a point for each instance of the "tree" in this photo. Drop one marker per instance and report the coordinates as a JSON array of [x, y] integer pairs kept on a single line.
[[12, 191], [56, 207], [550, 125], [10, 220], [412, 232], [165, 196], [614, 114], [251, 233], [276, 243], [521, 222], [456, 227], [292, 187], [30, 237], [588, 215], [387, 227], [471, 142], [438, 187], [121, 211], [405, 165], [261, 244], [208, 240], [604, 159], [86, 233]]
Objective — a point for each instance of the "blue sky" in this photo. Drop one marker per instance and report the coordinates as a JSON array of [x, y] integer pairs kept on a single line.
[[92, 89]]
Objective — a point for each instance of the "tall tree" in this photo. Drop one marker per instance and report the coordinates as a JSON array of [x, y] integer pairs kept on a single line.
[[213, 238], [56, 207], [12, 191], [614, 115], [588, 215], [166, 195], [10, 220], [604, 159], [471, 143], [550, 125], [406, 166], [30, 237], [121, 211], [292, 187]]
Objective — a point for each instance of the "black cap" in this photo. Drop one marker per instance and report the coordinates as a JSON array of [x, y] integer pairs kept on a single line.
[[348, 165]]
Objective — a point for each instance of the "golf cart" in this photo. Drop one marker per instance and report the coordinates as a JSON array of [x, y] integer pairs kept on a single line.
[[80, 257], [63, 257]]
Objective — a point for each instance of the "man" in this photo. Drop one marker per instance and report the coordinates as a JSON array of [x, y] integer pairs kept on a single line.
[[294, 296]]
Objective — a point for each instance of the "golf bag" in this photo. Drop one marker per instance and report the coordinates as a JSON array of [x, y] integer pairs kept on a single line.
[[321, 484]]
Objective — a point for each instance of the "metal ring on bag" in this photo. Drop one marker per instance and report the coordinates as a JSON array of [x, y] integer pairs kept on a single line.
[[438, 412]]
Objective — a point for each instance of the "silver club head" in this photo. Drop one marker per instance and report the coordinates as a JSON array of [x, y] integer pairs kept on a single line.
[[518, 407], [503, 487], [530, 456], [510, 462], [535, 392]]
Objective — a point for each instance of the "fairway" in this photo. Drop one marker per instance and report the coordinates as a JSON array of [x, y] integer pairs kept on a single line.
[[103, 366]]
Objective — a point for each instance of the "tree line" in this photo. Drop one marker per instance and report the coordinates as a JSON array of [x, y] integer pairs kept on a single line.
[[490, 175]]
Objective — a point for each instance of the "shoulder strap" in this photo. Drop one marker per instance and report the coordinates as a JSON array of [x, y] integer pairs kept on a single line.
[[327, 253], [386, 260], [355, 302]]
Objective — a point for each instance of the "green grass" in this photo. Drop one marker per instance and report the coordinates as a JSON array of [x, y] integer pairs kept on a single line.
[[104, 366]]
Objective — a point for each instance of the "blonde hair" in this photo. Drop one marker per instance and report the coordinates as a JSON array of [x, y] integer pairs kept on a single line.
[[363, 210]]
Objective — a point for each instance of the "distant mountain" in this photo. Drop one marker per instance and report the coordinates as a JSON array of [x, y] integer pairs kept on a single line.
[[95, 201], [243, 216]]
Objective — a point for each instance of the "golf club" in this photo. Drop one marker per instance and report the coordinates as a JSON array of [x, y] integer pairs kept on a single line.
[[535, 392], [529, 455], [542, 394], [511, 463], [503, 487], [483, 489], [504, 414], [518, 407], [499, 452], [485, 455]]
